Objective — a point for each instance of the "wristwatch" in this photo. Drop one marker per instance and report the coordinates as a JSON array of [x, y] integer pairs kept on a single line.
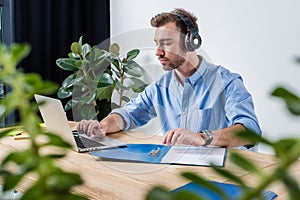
[[208, 135]]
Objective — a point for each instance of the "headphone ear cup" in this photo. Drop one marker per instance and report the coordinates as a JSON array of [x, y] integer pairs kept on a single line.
[[187, 42], [193, 41]]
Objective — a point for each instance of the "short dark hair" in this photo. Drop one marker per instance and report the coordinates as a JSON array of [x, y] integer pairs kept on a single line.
[[166, 17]]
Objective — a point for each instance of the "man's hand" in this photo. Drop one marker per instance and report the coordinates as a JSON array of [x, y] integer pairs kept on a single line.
[[182, 136], [91, 128]]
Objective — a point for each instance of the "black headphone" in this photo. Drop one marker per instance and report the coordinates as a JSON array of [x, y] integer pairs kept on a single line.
[[192, 39]]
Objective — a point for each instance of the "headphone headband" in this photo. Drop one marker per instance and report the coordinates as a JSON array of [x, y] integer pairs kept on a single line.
[[186, 21]]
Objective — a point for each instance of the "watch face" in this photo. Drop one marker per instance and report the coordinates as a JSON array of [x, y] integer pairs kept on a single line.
[[209, 137]]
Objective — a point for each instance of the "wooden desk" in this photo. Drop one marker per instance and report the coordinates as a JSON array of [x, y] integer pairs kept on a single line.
[[122, 180]]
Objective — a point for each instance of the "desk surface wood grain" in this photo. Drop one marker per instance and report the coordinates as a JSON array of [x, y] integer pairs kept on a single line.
[[129, 180]]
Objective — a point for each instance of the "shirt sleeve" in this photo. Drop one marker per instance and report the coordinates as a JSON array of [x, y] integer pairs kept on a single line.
[[138, 111], [239, 105]]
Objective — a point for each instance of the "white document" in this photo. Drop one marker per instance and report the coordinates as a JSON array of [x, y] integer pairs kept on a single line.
[[195, 155]]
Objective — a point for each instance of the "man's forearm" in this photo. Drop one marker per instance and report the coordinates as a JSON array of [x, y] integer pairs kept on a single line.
[[227, 136], [112, 123]]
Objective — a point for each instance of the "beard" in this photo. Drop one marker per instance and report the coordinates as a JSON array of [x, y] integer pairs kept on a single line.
[[178, 61]]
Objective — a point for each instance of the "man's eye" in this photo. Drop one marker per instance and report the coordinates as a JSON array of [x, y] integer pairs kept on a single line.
[[167, 43]]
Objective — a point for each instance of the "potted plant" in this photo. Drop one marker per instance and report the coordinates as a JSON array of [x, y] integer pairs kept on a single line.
[[96, 74]]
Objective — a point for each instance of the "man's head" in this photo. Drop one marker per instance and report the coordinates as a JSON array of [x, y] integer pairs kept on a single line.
[[165, 17], [171, 36]]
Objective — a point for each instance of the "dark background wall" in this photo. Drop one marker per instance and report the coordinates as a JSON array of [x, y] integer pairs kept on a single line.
[[50, 26]]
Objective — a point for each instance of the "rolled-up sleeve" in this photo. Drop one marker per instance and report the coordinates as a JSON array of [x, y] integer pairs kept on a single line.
[[239, 105]]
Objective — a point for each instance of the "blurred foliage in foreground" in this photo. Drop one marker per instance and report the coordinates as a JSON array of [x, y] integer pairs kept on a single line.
[[51, 181]]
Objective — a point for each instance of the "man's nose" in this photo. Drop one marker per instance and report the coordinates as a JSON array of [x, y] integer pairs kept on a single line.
[[159, 52]]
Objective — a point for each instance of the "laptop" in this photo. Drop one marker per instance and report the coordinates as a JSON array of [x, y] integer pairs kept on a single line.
[[56, 121]]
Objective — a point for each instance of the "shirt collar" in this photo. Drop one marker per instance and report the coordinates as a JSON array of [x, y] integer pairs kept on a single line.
[[194, 78]]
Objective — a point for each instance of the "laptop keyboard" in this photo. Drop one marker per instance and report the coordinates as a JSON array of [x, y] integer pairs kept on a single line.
[[83, 142]]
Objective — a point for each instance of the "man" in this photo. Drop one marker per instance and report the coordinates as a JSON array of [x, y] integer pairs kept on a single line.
[[197, 103]]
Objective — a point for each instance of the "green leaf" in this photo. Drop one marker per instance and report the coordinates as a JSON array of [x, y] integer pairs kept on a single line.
[[43, 194], [284, 93], [95, 54], [253, 137], [85, 49], [87, 111], [56, 140], [105, 80], [81, 91], [76, 48], [3, 172], [104, 92], [55, 156], [116, 63], [291, 100], [229, 175], [33, 83], [10, 102], [120, 86], [10, 57], [64, 93], [19, 51], [68, 64], [132, 54], [45, 189], [34, 191], [182, 195], [117, 73], [71, 103], [89, 99], [138, 85], [80, 40], [245, 164], [159, 193], [18, 157], [72, 80], [126, 99], [138, 89], [132, 64], [73, 56], [204, 183], [95, 60], [114, 48], [136, 72], [114, 105], [7, 131], [46, 88], [11, 180], [287, 149], [291, 184], [63, 181], [69, 81]]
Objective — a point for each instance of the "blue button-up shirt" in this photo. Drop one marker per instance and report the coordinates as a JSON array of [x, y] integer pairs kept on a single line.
[[212, 98]]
